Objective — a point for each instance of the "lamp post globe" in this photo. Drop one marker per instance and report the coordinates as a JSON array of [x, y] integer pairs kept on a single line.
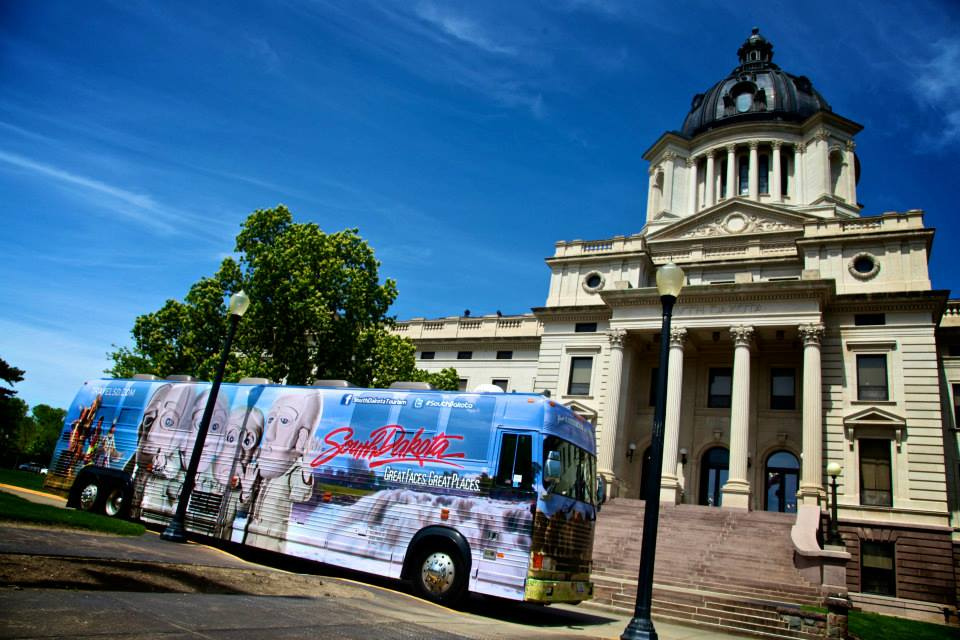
[[176, 530], [670, 281], [834, 537]]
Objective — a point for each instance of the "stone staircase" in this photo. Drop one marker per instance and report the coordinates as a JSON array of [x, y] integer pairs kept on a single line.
[[716, 568]]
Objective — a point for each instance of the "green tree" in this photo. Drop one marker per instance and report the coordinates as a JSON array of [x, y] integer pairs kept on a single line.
[[46, 428], [318, 310], [12, 412]]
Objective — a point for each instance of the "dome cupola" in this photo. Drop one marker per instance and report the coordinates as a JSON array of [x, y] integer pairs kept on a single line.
[[756, 90]]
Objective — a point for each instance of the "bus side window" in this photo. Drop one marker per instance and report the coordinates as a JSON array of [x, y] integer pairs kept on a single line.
[[515, 466]]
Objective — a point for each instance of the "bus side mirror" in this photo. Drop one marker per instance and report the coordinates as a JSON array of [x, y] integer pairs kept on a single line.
[[552, 468]]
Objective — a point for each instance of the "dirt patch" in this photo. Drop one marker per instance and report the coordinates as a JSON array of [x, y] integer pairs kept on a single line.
[[46, 572]]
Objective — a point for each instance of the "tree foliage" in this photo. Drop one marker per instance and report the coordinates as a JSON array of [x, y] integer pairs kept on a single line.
[[318, 311]]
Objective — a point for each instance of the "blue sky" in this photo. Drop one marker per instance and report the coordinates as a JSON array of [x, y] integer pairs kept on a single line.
[[462, 138]]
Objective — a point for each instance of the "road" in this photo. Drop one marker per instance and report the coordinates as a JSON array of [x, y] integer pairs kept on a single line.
[[57, 583]]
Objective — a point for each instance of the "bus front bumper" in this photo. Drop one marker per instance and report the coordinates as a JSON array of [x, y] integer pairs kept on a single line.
[[557, 590]]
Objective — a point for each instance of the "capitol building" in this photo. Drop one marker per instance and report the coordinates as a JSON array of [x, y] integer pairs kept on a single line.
[[808, 333]]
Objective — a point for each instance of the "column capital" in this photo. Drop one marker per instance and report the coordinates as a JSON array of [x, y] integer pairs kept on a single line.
[[821, 134], [709, 153], [754, 144], [616, 338], [691, 161], [669, 155], [653, 170], [742, 335], [811, 333], [850, 145], [678, 335], [801, 147], [776, 144], [731, 148]]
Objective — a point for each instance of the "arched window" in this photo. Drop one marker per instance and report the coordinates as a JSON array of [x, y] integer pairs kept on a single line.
[[764, 177], [782, 481], [786, 173], [743, 170]]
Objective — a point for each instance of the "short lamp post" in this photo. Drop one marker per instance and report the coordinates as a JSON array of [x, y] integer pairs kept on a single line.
[[176, 531], [833, 537], [670, 280]]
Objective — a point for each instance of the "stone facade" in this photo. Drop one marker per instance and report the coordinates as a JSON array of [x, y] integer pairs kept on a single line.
[[808, 333]]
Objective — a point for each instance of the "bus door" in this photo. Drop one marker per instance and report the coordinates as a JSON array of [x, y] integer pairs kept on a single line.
[[505, 547]]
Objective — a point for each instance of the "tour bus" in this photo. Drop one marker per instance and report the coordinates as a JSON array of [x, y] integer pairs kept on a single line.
[[493, 493]]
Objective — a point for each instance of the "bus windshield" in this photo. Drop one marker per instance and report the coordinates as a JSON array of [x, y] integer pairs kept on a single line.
[[577, 471]]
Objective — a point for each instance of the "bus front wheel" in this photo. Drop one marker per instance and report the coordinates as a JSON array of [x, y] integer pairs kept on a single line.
[[89, 496], [441, 575]]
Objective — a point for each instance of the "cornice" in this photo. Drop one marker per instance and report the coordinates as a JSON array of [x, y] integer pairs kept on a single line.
[[574, 313], [595, 257], [452, 343], [822, 290], [934, 300]]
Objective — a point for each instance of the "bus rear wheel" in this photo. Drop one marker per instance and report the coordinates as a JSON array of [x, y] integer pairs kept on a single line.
[[441, 575], [114, 502]]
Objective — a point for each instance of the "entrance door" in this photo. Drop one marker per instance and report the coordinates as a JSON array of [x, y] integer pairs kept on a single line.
[[714, 469], [644, 470], [783, 479]]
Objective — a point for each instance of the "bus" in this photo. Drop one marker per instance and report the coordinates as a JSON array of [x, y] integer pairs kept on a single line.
[[492, 493]]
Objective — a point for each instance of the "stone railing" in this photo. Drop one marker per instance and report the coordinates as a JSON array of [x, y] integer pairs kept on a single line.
[[885, 222], [616, 244], [453, 327]]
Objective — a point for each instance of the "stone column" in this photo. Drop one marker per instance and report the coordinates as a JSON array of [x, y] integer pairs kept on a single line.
[[823, 142], [736, 492], [754, 170], [798, 152], [611, 422], [775, 178], [670, 486], [850, 160], [692, 182], [811, 478], [652, 204], [667, 195], [708, 185], [731, 170]]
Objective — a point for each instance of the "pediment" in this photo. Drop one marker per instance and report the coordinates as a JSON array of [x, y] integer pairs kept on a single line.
[[732, 219], [874, 417], [582, 410]]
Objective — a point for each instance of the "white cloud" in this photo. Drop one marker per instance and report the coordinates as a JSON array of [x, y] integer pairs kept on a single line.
[[137, 207], [462, 29], [937, 84]]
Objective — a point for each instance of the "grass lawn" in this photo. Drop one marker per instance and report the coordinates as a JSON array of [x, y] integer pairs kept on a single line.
[[16, 509], [25, 479], [872, 626]]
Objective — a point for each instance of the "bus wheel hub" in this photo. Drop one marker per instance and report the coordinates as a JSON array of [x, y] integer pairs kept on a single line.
[[438, 572]]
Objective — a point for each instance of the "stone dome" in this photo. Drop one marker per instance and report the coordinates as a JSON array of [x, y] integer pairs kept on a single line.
[[755, 91]]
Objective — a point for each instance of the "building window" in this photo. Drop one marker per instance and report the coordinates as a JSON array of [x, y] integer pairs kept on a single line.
[[743, 172], [878, 568], [654, 383], [720, 388], [501, 383], [585, 327], [783, 389], [580, 369], [872, 377], [504, 355], [956, 405], [869, 319], [464, 355], [462, 384], [428, 355], [784, 174], [764, 177], [875, 480]]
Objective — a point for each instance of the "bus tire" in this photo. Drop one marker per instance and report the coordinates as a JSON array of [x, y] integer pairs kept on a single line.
[[90, 496], [440, 574], [115, 501]]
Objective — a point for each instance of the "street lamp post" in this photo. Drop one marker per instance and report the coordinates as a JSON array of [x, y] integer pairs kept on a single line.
[[670, 280], [834, 538], [175, 531]]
